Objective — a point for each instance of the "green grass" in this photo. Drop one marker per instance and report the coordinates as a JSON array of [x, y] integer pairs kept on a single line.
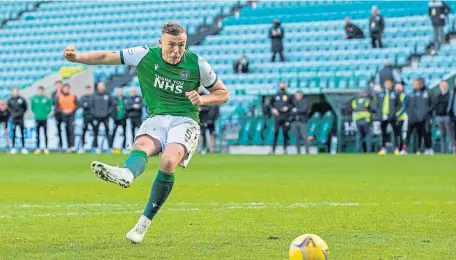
[[232, 207]]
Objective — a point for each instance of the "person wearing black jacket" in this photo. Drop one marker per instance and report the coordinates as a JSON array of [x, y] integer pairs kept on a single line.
[[276, 34], [119, 116], [442, 110], [86, 103], [418, 109], [389, 105], [300, 116], [134, 108], [17, 106], [376, 27], [281, 107], [4, 118], [438, 11], [208, 116], [55, 93], [102, 109], [453, 115], [352, 31]]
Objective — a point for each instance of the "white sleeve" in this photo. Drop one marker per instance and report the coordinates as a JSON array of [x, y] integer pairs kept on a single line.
[[208, 78], [133, 56]]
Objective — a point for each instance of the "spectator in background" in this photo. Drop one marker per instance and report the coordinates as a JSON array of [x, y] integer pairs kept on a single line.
[[86, 103], [300, 115], [376, 27], [67, 104], [400, 115], [119, 116], [102, 108], [241, 65], [276, 34], [208, 116], [442, 111], [281, 107], [17, 106], [362, 115], [453, 116], [133, 106], [438, 11], [41, 107], [387, 73], [388, 106], [55, 93], [352, 31], [4, 118], [418, 109]]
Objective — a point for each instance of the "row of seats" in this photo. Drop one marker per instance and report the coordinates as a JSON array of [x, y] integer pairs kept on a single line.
[[11, 9]]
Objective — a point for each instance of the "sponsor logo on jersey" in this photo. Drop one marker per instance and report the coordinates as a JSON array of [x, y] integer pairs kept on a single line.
[[184, 74], [174, 86]]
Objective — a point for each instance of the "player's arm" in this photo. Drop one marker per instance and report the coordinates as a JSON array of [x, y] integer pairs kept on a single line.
[[218, 94], [92, 57]]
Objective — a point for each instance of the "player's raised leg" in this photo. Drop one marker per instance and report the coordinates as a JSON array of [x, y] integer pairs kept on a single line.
[[135, 164], [161, 188]]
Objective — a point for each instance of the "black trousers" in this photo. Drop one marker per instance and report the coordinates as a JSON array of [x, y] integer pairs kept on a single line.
[[282, 58], [19, 122], [424, 133], [122, 123], [204, 128], [98, 122], [135, 124], [41, 124], [87, 122], [68, 120], [376, 39], [397, 129], [285, 126], [398, 140]]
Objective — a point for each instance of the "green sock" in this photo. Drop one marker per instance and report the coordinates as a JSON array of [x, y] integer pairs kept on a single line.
[[161, 188], [136, 162]]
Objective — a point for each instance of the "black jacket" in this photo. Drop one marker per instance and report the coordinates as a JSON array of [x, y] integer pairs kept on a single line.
[[86, 103], [452, 111], [279, 101], [419, 105], [300, 111], [132, 112], [4, 115], [209, 114], [436, 9], [442, 104], [353, 31], [376, 25], [102, 105], [17, 107], [394, 104], [276, 40], [57, 113]]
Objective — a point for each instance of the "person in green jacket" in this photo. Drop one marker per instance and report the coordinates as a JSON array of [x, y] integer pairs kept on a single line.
[[41, 107]]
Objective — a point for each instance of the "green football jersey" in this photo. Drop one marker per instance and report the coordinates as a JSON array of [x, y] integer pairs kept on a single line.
[[163, 85]]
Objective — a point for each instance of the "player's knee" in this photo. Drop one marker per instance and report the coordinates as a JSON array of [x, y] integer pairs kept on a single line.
[[168, 163]]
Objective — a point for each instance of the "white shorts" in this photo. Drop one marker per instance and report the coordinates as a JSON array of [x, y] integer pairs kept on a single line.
[[173, 129]]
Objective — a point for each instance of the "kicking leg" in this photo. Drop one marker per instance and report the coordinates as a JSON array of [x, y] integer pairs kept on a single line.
[[161, 188]]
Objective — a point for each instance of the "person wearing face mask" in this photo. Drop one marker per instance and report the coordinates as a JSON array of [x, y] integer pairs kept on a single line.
[[376, 27], [400, 115], [300, 115], [362, 115], [418, 108], [276, 34], [281, 107], [241, 65], [442, 111], [438, 12], [389, 105], [352, 31]]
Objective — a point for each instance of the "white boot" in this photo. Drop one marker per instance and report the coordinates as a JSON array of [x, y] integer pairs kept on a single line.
[[121, 176], [136, 234]]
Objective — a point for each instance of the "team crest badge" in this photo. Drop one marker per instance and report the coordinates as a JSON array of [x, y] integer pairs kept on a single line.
[[184, 74]]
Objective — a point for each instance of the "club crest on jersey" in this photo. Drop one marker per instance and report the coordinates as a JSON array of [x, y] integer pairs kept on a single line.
[[156, 66], [184, 74]]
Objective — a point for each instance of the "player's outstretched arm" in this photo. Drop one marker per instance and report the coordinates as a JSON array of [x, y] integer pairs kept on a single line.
[[92, 57]]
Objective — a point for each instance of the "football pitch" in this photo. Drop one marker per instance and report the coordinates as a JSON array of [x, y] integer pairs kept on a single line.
[[232, 207]]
